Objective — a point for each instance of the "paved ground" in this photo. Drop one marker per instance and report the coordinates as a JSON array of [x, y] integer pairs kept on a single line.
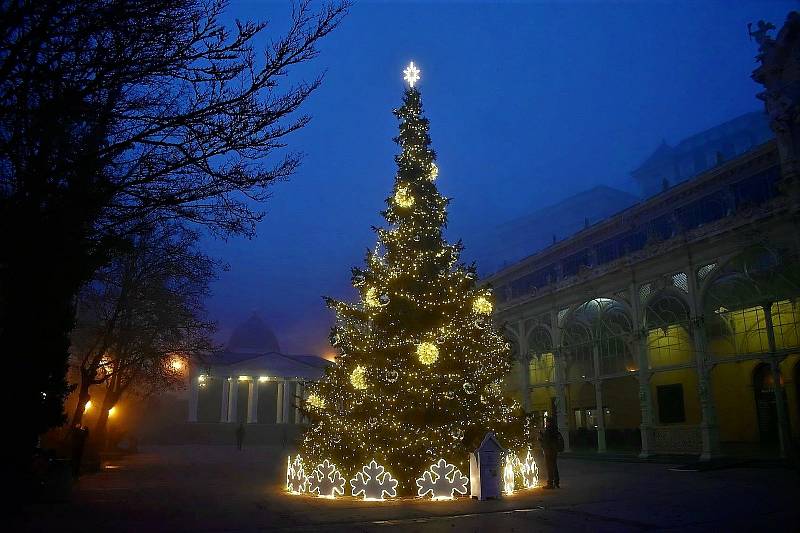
[[216, 488]]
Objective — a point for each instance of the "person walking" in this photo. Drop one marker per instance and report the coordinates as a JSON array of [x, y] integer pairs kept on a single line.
[[552, 444], [240, 436]]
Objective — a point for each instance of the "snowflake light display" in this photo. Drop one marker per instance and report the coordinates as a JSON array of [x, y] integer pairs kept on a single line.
[[296, 480], [442, 480], [326, 481], [411, 74], [374, 483], [530, 472], [508, 473]]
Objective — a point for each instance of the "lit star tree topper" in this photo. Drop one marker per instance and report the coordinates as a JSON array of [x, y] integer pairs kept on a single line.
[[420, 364], [411, 74]]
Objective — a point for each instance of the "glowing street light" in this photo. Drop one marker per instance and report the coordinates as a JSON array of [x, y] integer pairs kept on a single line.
[[87, 405]]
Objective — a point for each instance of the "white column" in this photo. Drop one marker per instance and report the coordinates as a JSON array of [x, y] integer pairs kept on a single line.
[[279, 403], [233, 396], [598, 399], [287, 402], [709, 430], [601, 416], [252, 401], [525, 367], [561, 399], [640, 351], [223, 410], [299, 392], [784, 429], [193, 394]]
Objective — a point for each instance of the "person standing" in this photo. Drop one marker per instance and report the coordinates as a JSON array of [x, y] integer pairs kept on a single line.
[[240, 436], [552, 444]]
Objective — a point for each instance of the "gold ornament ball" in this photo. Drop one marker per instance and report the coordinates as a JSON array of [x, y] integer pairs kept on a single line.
[[427, 352], [358, 378], [403, 197], [371, 297], [315, 401], [434, 172], [482, 306]]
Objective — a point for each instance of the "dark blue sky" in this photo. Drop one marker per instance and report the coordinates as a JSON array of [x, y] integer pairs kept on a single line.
[[528, 102]]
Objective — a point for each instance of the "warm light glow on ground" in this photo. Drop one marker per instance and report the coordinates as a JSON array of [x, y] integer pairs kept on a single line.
[[87, 406], [112, 411]]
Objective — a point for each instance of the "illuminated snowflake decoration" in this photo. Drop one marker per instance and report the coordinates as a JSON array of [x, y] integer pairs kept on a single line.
[[482, 305], [374, 483], [411, 74], [296, 479], [442, 480], [508, 473], [358, 378], [427, 352], [529, 471], [326, 481]]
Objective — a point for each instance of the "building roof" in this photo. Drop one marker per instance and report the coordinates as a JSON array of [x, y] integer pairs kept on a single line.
[[273, 364], [253, 336]]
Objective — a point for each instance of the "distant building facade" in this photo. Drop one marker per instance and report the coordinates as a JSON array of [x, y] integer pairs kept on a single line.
[[673, 326], [510, 242], [251, 381], [670, 165]]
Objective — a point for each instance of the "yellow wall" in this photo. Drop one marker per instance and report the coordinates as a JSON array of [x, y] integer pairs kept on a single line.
[[732, 387], [691, 401], [621, 396]]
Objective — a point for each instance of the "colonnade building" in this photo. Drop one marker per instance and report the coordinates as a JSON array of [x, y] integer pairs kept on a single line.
[[673, 326], [251, 381]]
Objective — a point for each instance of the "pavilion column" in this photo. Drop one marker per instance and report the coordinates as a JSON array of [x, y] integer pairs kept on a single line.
[[709, 430], [598, 400], [194, 394], [524, 359], [640, 351], [287, 402], [223, 410], [252, 401], [561, 399], [279, 402], [784, 429], [233, 396], [299, 392]]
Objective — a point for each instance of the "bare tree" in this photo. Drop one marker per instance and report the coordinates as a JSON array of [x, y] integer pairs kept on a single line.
[[116, 112], [142, 314]]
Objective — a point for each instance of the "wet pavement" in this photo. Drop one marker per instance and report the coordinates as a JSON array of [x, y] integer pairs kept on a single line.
[[217, 488]]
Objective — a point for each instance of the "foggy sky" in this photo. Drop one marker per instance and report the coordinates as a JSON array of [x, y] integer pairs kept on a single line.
[[528, 104]]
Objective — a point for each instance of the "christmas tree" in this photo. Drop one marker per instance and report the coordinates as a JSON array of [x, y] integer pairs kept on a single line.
[[419, 371]]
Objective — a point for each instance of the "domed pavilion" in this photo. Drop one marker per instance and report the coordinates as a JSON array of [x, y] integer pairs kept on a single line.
[[251, 381]]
